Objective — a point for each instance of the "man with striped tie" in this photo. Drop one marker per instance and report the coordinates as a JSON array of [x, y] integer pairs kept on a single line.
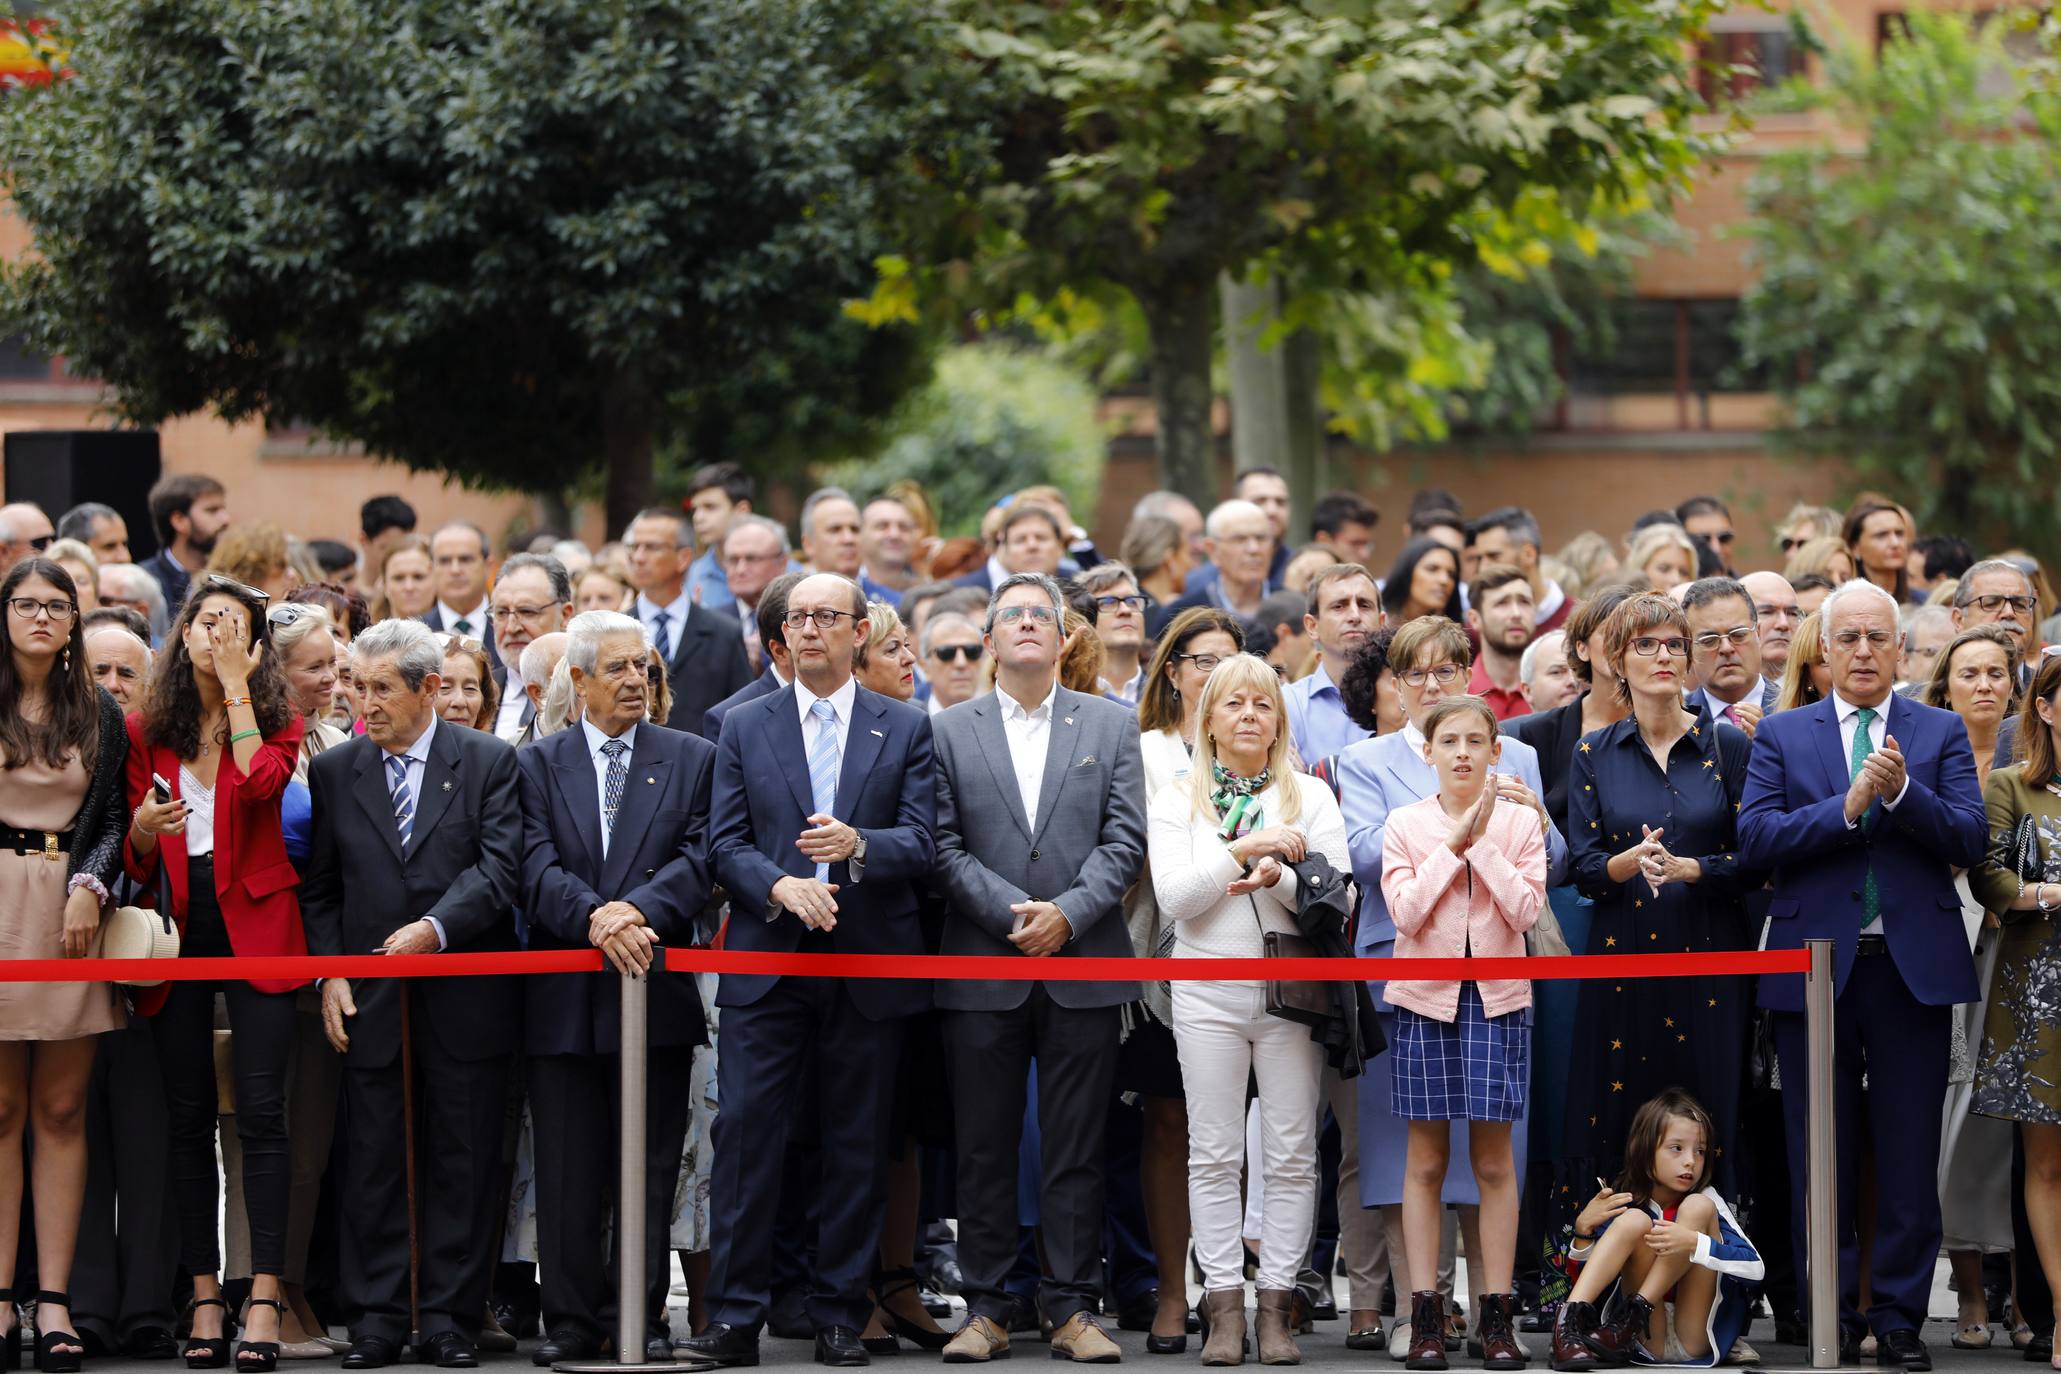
[[416, 848], [822, 810]]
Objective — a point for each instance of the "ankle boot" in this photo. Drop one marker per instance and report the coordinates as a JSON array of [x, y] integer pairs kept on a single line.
[[1614, 1340], [1222, 1313], [1571, 1331], [1499, 1347], [1427, 1331], [1276, 1327]]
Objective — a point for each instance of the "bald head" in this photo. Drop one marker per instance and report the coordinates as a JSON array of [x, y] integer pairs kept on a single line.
[[1775, 615], [24, 528], [120, 663]]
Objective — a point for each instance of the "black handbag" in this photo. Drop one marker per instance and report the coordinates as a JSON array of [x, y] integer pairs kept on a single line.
[[2025, 852], [1302, 1000]]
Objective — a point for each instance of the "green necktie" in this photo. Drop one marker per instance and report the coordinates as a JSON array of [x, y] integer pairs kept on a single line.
[[1864, 745]]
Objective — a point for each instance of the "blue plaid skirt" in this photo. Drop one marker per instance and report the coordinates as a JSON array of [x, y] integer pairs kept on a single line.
[[1472, 1068]]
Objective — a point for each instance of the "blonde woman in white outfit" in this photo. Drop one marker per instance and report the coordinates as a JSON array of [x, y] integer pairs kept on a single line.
[[1221, 847]]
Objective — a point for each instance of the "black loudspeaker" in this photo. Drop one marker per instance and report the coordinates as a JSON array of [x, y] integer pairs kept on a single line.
[[61, 468]]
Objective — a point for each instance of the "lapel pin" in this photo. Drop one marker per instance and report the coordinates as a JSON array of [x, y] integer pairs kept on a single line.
[[1069, 720], [1085, 762], [447, 786], [879, 735]]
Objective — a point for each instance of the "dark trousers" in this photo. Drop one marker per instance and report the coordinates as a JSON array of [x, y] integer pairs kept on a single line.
[[576, 1102], [2035, 1300], [460, 1105], [1879, 1025], [989, 1054], [1126, 1239], [765, 1057], [128, 1255], [261, 1031]]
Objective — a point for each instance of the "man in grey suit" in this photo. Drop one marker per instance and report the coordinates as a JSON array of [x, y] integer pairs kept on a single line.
[[1040, 829]]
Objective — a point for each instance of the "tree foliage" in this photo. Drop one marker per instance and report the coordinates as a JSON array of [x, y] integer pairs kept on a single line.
[[500, 241], [1909, 292], [1355, 146]]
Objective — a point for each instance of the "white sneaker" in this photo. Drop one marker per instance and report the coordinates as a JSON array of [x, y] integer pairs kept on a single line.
[[1398, 1338]]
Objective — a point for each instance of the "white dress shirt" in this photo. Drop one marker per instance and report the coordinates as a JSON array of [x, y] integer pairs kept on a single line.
[[477, 619], [1753, 695], [1029, 733], [417, 758], [595, 741], [508, 719], [840, 705], [676, 621]]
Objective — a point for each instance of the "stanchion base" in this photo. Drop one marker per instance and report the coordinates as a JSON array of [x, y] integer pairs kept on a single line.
[[611, 1367]]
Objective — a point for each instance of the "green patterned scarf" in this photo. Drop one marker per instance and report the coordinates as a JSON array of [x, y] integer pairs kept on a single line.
[[1237, 800]]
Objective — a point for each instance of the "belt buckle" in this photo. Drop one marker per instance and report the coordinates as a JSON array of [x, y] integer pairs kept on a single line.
[[50, 851]]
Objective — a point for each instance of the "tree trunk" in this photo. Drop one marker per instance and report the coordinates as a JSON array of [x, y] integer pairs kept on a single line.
[[1274, 414], [627, 449], [1302, 370], [1181, 315]]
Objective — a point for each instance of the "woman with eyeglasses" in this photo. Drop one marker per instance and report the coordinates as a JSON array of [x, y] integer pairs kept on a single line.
[[1653, 811], [217, 728], [469, 697], [1431, 658], [62, 756], [1190, 647]]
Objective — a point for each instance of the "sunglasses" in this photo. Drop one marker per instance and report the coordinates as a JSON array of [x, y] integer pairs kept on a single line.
[[945, 653], [288, 613], [235, 588], [42, 542]]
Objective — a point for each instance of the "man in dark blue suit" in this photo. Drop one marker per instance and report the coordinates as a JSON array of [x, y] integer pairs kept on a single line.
[[824, 803], [772, 611], [615, 857], [1863, 805], [1724, 635]]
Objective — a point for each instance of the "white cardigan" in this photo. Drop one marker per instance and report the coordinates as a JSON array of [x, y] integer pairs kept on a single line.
[[1191, 867]]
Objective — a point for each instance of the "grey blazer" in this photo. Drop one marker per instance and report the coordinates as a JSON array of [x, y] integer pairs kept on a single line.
[[1086, 849]]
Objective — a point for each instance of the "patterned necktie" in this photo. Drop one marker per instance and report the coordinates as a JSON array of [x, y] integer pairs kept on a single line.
[[662, 635], [823, 767], [1731, 713], [1864, 745], [403, 799], [618, 774]]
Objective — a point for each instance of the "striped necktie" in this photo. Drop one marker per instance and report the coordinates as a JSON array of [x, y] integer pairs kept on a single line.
[[403, 799], [823, 767]]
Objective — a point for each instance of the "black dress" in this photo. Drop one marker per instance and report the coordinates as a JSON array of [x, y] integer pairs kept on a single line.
[[1636, 1037]]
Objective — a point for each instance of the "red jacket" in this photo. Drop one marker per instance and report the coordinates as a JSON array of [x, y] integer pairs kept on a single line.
[[254, 880]]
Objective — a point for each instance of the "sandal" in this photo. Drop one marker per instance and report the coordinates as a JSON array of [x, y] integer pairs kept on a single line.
[[892, 1282], [207, 1352], [1970, 1336], [50, 1359], [260, 1357]]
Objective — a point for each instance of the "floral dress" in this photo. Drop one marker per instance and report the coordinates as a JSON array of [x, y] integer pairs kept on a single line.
[[2018, 1073]]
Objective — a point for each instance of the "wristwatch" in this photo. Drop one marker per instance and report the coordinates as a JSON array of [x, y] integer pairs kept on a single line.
[[859, 848]]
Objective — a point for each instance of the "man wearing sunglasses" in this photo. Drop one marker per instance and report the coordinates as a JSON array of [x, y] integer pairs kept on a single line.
[[24, 529], [951, 650], [1710, 523]]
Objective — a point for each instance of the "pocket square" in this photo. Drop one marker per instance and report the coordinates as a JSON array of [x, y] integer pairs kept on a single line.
[[1090, 759]]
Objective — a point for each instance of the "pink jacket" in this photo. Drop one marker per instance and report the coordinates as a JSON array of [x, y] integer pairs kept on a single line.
[[1446, 905]]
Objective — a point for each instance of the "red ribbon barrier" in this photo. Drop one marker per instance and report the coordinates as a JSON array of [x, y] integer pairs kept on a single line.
[[1005, 967]]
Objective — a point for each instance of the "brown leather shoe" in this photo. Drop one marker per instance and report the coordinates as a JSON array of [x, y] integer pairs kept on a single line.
[[1277, 1327], [1499, 1347], [1079, 1339], [1572, 1327], [1614, 1340], [980, 1340], [1222, 1313], [1427, 1331]]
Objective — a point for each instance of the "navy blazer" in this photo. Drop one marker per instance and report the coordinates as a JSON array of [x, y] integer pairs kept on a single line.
[[1792, 821], [657, 862], [765, 684], [887, 790]]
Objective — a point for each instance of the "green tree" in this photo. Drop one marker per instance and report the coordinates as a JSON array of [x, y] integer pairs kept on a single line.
[[1909, 289], [513, 243], [1353, 146]]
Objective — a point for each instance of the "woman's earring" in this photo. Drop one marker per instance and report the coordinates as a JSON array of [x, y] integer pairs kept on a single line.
[[67, 658]]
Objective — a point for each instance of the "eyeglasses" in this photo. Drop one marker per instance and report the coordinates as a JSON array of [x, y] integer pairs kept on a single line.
[[1879, 640], [42, 542], [501, 615], [1446, 674], [1739, 636], [1009, 615], [235, 588], [655, 674], [1991, 604], [1790, 544], [1646, 646], [1722, 537], [1110, 603], [1204, 663], [27, 606], [824, 618], [945, 653]]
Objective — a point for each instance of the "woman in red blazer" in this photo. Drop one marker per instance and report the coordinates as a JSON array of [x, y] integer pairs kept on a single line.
[[217, 727]]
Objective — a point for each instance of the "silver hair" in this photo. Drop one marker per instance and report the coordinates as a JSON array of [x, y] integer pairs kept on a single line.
[[1043, 584], [817, 498], [77, 523], [940, 620], [1528, 662], [414, 647], [129, 582], [1914, 618], [115, 627], [559, 703], [1847, 591], [553, 570], [683, 528], [9, 530], [1165, 504], [1964, 590], [532, 666], [751, 521], [584, 635], [1227, 510]]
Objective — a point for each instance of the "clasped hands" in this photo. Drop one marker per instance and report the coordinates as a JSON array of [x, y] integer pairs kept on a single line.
[[1658, 865], [1881, 779], [827, 841], [1261, 853], [619, 930]]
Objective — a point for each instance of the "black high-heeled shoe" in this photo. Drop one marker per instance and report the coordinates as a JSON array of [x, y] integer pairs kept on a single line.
[[10, 1339], [49, 1358], [893, 1281], [260, 1357], [207, 1352]]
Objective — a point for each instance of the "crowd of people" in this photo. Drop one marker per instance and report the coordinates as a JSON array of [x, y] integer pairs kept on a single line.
[[879, 741]]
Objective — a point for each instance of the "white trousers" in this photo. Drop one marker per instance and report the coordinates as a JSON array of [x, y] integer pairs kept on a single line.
[[1224, 1034]]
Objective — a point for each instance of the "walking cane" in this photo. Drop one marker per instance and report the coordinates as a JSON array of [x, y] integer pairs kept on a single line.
[[408, 1144]]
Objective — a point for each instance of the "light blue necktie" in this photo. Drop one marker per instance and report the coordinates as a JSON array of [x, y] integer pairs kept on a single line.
[[823, 767], [404, 800]]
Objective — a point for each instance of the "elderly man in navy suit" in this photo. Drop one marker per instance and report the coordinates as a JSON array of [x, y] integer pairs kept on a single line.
[[1863, 805], [615, 857], [824, 802]]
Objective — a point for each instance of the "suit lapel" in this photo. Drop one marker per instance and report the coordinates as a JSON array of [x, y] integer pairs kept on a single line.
[[790, 748], [370, 790], [575, 772], [439, 783], [641, 790], [994, 747], [1061, 738], [1838, 771], [685, 637], [862, 745]]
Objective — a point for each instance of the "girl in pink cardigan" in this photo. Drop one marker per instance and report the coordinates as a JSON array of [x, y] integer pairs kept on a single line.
[[1463, 876]]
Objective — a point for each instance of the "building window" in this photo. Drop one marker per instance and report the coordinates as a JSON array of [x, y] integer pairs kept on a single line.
[[1740, 60], [1656, 365]]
